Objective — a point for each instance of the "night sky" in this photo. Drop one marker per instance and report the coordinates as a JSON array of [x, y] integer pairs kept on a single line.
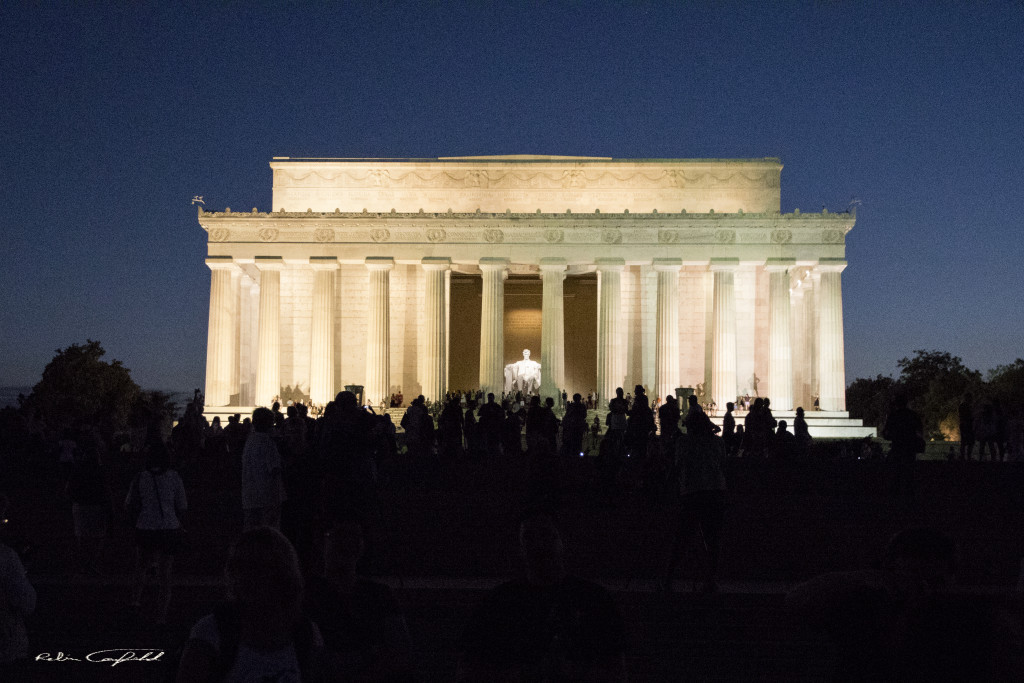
[[113, 118]]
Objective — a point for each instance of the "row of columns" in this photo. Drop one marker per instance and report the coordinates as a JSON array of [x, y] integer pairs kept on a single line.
[[823, 317]]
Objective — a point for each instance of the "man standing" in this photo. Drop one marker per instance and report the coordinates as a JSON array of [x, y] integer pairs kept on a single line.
[[262, 488], [574, 425], [904, 431], [491, 419], [965, 413]]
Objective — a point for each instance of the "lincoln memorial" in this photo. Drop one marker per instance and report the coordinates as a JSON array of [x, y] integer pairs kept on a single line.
[[429, 274]]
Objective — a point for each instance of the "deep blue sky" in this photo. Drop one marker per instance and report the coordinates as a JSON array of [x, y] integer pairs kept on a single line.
[[113, 118]]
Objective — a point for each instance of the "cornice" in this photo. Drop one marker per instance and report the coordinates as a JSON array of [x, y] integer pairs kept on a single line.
[[524, 228]]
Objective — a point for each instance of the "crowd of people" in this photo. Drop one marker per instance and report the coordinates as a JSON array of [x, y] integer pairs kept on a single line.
[[299, 604]]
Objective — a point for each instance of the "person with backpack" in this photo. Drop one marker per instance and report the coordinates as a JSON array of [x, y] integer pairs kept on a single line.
[[260, 633], [155, 502]]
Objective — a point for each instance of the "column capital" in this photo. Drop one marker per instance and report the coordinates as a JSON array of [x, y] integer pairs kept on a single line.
[[725, 265], [553, 265], [610, 265], [779, 265], [269, 263], [831, 265], [492, 263], [436, 263], [222, 263], [323, 262], [667, 265], [380, 263]]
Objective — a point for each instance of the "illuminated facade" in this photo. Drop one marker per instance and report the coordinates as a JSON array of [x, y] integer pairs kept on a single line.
[[665, 272]]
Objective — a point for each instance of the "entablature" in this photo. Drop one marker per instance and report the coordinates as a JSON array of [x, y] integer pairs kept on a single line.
[[606, 229]]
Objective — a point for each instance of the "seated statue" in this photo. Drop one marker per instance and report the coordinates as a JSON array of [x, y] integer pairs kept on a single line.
[[523, 375]]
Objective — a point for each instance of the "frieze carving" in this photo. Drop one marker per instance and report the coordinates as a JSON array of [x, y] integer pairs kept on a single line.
[[668, 236], [378, 176], [323, 235], [782, 236], [611, 236], [554, 236], [436, 235], [475, 179], [494, 235], [380, 234], [676, 178], [832, 236], [522, 180], [725, 236], [268, 234], [574, 177], [219, 234]]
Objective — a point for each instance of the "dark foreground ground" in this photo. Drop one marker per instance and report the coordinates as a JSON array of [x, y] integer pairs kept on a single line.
[[443, 540]]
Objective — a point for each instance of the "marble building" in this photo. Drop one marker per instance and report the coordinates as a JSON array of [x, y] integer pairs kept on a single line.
[[429, 274]]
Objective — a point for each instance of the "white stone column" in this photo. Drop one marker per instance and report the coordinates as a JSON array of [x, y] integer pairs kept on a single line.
[[492, 326], [552, 332], [831, 371], [666, 352], [246, 343], [611, 349], [435, 324], [723, 335], [254, 341], [812, 284], [321, 349], [447, 328], [268, 364], [236, 341], [780, 348], [378, 331], [221, 341], [801, 388]]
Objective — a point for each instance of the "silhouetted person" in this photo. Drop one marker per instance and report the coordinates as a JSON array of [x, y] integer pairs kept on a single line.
[[262, 486], [345, 450], [474, 439], [987, 432], [90, 506], [512, 436], [547, 626], [492, 418], [729, 431], [364, 631], [156, 499], [639, 426], [697, 423], [903, 429], [759, 427], [419, 435], [784, 447], [659, 468], [701, 457], [802, 434], [260, 633], [449, 428], [17, 601], [965, 418], [574, 426], [612, 451]]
